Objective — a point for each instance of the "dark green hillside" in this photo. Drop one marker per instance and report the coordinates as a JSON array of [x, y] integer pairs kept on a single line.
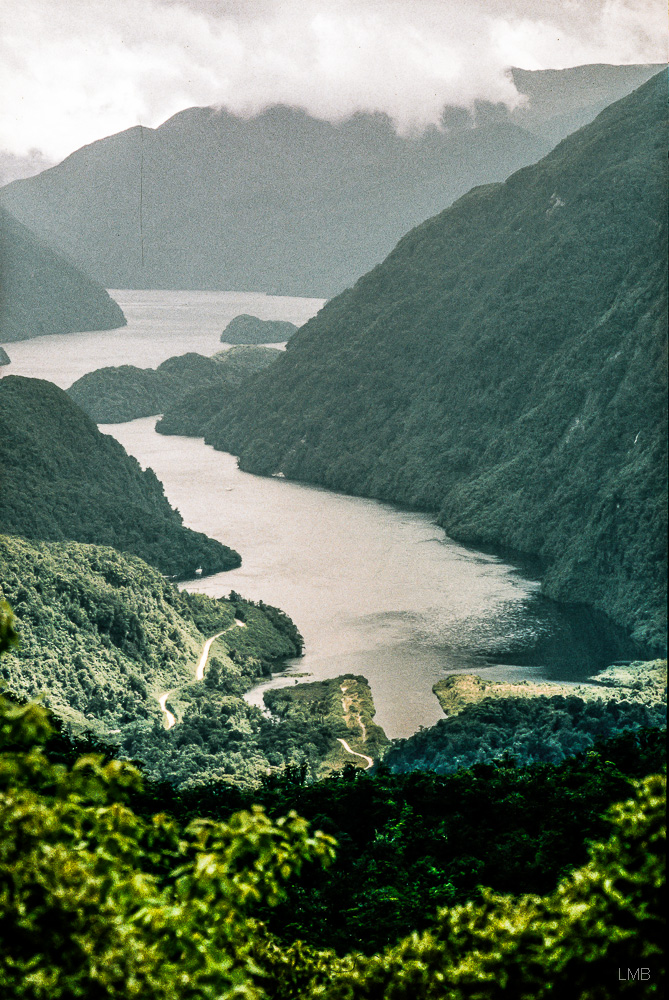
[[245, 329], [103, 635], [532, 730], [504, 368], [239, 362], [63, 479], [4, 357], [192, 411], [41, 292], [113, 395]]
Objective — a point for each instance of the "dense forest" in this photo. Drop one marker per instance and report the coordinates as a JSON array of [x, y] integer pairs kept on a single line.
[[245, 329], [504, 368], [104, 635], [192, 409], [543, 729], [492, 882], [63, 479], [411, 843], [42, 292], [114, 395]]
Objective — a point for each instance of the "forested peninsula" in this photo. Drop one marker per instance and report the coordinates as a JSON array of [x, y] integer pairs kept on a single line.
[[63, 479], [116, 650], [175, 388], [42, 292], [504, 368]]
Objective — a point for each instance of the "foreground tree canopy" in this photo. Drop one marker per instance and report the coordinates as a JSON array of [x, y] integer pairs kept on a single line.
[[97, 900]]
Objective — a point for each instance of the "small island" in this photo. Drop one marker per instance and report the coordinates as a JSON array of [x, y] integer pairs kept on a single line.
[[4, 357], [245, 329]]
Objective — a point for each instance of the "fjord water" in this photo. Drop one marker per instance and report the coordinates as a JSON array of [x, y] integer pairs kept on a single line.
[[160, 325], [375, 590]]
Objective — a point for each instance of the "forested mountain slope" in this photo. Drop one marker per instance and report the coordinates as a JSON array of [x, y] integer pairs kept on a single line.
[[245, 329], [282, 202], [504, 367], [41, 292], [114, 395], [103, 636], [63, 479], [103, 633]]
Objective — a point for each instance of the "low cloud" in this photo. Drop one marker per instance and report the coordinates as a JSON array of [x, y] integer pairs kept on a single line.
[[73, 72]]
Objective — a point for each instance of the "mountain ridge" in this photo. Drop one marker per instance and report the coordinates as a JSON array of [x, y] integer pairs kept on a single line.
[[64, 480], [43, 293], [503, 367], [282, 202]]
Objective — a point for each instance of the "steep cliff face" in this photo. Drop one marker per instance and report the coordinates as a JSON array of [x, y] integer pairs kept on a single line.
[[41, 292], [64, 480], [504, 367]]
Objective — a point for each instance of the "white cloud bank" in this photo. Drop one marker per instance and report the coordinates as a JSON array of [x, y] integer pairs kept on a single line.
[[75, 70]]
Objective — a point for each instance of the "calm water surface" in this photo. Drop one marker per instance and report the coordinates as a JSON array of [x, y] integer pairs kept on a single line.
[[160, 325], [375, 590]]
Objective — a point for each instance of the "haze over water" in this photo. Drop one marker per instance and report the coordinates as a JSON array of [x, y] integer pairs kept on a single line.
[[375, 590]]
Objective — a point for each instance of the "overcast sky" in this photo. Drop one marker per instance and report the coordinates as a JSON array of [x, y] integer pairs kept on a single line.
[[72, 71]]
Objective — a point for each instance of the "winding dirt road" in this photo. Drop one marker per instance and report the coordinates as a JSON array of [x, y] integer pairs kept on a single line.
[[169, 718], [199, 670], [347, 707], [355, 753]]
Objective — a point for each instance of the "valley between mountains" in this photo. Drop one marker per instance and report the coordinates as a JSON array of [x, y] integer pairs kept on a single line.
[[361, 692]]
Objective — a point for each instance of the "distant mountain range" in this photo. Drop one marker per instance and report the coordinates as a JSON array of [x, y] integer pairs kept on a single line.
[[42, 293], [284, 202], [505, 367]]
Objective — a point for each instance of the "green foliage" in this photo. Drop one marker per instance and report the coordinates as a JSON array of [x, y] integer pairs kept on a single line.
[[8, 634], [529, 729], [605, 916], [100, 899], [410, 843], [103, 635], [44, 293], [96, 901], [504, 367], [63, 479]]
